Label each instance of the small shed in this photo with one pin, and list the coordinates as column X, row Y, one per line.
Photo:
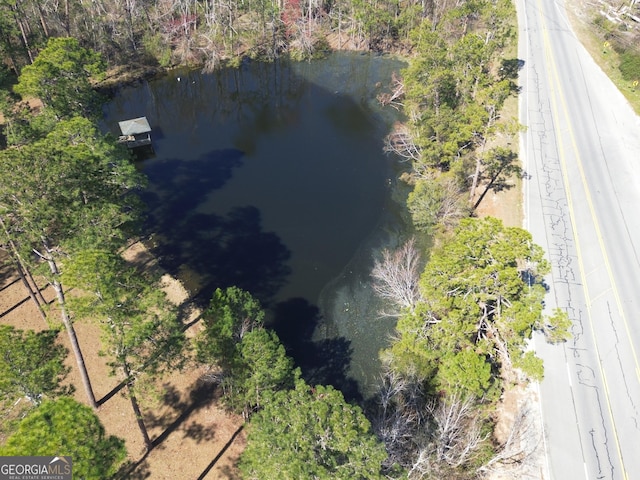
column 135, row 132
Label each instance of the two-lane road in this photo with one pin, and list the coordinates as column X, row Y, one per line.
column 581, row 154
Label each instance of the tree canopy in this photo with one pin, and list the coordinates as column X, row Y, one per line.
column 482, row 294
column 65, row 427
column 453, row 92
column 311, row 432
column 68, row 186
column 261, row 369
column 232, row 313
column 66, row 191
column 253, row 362
column 60, row 77
column 31, row 364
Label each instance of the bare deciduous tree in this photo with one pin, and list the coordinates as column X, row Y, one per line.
column 396, row 95
column 452, row 208
column 458, row 430
column 455, row 439
column 520, row 446
column 401, row 143
column 400, row 420
column 435, row 437
column 396, row 275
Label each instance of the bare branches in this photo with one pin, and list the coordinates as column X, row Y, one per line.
column 400, row 419
column 395, row 276
column 444, row 435
column 397, row 93
column 456, row 438
column 401, row 143
column 430, row 438
column 519, row 447
column 436, row 201
column 458, row 430
column 488, row 331
column 451, row 209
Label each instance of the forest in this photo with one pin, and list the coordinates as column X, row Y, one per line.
column 69, row 203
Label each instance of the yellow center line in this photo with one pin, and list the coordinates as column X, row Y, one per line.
column 596, row 224
column 555, row 83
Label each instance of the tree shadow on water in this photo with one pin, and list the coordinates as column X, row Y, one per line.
column 210, row 250
column 177, row 187
column 325, row 361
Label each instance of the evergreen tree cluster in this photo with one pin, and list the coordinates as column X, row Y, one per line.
column 67, row 205
column 464, row 336
column 295, row 430
column 452, row 92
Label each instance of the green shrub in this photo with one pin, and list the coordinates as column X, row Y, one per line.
column 157, row 48
column 630, row 65
column 605, row 25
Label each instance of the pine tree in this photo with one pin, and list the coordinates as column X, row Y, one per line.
column 65, row 427
column 311, row 432
column 483, row 296
column 31, row 364
column 59, row 76
column 60, row 193
column 141, row 332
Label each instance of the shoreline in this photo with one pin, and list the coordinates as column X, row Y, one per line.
column 131, row 74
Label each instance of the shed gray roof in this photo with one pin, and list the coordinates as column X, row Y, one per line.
column 134, row 126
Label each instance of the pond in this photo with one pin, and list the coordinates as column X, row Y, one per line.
column 271, row 177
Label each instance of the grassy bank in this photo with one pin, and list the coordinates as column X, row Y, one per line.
column 583, row 17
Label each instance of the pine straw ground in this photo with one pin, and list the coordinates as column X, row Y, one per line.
column 194, row 438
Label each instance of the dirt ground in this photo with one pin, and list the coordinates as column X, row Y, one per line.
column 193, row 437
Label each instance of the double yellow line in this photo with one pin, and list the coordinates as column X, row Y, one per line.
column 554, row 83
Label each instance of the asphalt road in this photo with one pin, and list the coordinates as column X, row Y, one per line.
column 581, row 155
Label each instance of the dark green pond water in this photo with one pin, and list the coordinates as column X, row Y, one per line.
column 271, row 177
